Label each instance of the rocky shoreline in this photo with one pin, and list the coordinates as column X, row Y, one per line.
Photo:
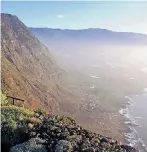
column 62, row 134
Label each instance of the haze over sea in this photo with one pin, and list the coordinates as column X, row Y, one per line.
column 102, row 46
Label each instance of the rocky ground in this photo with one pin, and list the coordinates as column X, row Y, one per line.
column 62, row 134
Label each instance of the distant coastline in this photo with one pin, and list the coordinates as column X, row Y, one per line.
column 132, row 136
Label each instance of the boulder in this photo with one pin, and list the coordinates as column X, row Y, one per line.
column 32, row 145
column 91, row 149
column 63, row 145
column 128, row 148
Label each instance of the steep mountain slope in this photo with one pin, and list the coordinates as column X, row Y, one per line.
column 28, row 69
column 107, row 68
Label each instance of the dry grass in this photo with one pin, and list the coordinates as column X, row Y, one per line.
column 34, row 120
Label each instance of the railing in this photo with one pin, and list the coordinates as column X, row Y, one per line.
column 21, row 105
column 15, row 99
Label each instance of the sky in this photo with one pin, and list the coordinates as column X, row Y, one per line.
column 117, row 16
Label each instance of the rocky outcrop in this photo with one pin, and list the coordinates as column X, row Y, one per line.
column 55, row 134
column 62, row 134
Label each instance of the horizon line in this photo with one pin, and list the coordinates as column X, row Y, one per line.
column 75, row 29
column 80, row 29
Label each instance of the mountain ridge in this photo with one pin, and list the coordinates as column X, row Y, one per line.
column 98, row 36
column 29, row 70
column 86, row 29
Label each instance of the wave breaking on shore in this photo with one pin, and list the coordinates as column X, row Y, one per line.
column 131, row 136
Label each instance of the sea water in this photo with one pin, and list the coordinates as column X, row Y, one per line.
column 135, row 114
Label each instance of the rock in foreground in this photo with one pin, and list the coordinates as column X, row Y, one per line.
column 62, row 134
column 33, row 145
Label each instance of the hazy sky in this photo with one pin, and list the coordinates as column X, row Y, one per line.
column 117, row 16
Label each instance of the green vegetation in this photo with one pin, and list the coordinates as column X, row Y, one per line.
column 21, row 126
column 4, row 100
column 40, row 111
column 15, row 124
column 11, row 115
column 18, row 110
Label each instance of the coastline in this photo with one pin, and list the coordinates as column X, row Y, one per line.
column 131, row 134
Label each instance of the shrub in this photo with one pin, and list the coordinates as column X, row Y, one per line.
column 34, row 120
column 40, row 112
column 17, row 111
column 14, row 124
column 4, row 100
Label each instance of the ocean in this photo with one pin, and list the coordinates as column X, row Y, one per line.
column 135, row 114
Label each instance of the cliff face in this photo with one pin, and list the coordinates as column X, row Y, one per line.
column 28, row 69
